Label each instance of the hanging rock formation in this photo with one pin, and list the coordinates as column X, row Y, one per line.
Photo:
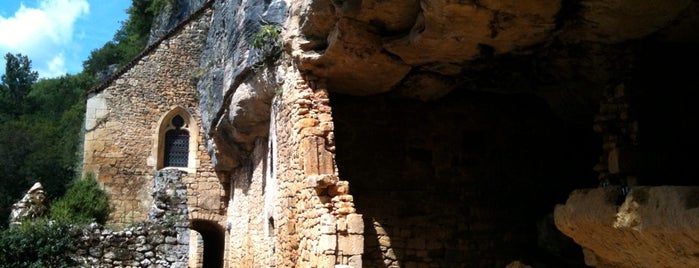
column 655, row 226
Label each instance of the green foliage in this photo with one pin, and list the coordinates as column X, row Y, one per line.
column 100, row 59
column 268, row 43
column 267, row 37
column 42, row 120
column 84, row 202
column 37, row 244
column 157, row 6
column 52, row 97
column 16, row 83
column 129, row 40
column 42, row 142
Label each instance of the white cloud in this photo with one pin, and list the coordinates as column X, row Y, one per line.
column 42, row 32
column 56, row 67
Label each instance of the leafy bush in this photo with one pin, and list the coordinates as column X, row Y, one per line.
column 84, row 202
column 267, row 38
column 40, row 243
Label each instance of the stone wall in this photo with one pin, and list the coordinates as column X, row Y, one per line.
column 288, row 207
column 460, row 182
column 320, row 226
column 250, row 219
column 123, row 126
column 162, row 240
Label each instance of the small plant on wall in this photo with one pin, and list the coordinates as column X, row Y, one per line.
column 268, row 42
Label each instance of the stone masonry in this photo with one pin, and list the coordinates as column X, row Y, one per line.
column 288, row 207
column 162, row 240
column 284, row 205
column 122, row 126
column 322, row 221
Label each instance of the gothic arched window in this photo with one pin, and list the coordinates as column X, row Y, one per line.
column 176, row 144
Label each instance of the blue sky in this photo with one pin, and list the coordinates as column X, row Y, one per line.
column 57, row 35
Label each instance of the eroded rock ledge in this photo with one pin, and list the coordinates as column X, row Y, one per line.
column 653, row 227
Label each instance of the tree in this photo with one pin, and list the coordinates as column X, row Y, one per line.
column 129, row 40
column 40, row 138
column 17, row 82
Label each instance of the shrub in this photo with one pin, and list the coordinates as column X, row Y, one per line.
column 38, row 243
column 268, row 40
column 84, row 202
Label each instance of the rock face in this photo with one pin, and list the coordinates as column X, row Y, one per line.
column 235, row 88
column 568, row 53
column 172, row 14
column 655, row 226
column 564, row 51
column 456, row 123
column 31, row 206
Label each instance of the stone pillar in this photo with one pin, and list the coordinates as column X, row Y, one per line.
column 618, row 126
column 322, row 216
column 169, row 211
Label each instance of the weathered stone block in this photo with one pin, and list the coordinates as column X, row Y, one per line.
column 649, row 227
column 350, row 244
column 355, row 261
column 320, row 181
column 309, row 149
column 327, row 261
column 328, row 243
column 340, row 188
column 355, row 224
column 326, row 164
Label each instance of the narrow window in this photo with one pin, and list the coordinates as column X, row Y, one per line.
column 176, row 144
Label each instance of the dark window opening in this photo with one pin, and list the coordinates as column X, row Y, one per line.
column 177, row 144
column 270, row 227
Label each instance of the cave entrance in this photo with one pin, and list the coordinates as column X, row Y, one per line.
column 463, row 181
column 210, row 243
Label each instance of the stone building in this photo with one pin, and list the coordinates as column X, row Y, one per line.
column 145, row 118
column 459, row 125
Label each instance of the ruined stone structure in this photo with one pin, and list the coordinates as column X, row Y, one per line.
column 31, row 206
column 319, row 133
column 161, row 240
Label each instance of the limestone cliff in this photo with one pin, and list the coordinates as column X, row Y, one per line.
column 172, row 14
column 567, row 52
column 465, row 120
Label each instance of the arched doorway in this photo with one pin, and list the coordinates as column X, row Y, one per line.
column 213, row 237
